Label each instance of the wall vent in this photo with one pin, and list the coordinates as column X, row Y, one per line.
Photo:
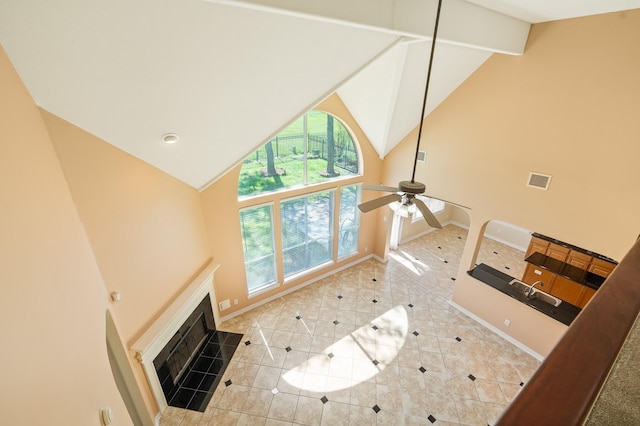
column 422, row 156
column 540, row 181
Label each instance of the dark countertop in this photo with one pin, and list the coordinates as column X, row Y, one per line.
column 576, row 248
column 565, row 313
column 565, row 270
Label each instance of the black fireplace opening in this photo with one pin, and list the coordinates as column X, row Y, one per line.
column 191, row 365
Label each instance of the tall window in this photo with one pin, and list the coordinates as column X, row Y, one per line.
column 317, row 148
column 349, row 220
column 307, row 231
column 257, row 242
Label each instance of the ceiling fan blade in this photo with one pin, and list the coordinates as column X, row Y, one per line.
column 426, row 213
column 448, row 202
column 381, row 188
column 379, row 202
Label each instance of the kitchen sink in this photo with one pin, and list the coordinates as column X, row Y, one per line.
column 536, row 294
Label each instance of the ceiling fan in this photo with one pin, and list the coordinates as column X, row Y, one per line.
column 404, row 196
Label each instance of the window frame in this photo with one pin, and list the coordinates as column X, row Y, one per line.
column 252, row 292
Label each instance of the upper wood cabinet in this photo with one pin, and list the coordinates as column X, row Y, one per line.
column 537, row 245
column 601, row 267
column 557, row 251
column 578, row 259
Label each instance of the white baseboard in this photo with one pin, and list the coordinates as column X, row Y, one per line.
column 499, row 332
column 430, row 230
column 297, row 287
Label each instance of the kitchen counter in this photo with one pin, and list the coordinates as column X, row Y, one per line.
column 565, row 313
column 563, row 269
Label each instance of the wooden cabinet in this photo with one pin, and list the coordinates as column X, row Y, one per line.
column 578, row 259
column 537, row 245
column 532, row 273
column 601, row 267
column 567, row 290
column 557, row 251
column 587, row 294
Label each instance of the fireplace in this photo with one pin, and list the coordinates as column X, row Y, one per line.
column 192, row 363
column 182, row 353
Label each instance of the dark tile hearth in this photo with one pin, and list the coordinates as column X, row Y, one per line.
column 196, row 386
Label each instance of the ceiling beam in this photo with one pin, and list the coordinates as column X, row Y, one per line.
column 462, row 23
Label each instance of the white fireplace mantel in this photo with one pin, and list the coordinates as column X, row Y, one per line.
column 149, row 345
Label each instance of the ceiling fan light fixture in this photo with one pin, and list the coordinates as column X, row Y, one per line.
column 403, row 209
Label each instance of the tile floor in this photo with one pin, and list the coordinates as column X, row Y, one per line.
column 374, row 344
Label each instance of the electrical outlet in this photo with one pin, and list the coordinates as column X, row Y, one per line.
column 507, row 322
column 235, row 301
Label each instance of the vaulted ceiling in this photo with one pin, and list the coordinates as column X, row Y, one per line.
column 227, row 75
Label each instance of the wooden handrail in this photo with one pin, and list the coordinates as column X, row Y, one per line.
column 565, row 386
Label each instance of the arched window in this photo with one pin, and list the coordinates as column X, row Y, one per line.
column 317, row 148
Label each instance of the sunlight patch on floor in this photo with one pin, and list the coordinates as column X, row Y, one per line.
column 356, row 357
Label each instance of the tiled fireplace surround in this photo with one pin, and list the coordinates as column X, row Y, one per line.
column 378, row 343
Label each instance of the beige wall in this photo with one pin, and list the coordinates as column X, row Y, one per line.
column 569, row 108
column 414, row 228
column 55, row 368
column 221, row 211
column 145, row 227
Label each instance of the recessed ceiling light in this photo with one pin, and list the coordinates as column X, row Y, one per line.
column 170, row 138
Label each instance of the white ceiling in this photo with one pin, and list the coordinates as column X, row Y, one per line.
column 227, row 75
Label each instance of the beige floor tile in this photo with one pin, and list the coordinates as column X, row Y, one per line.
column 224, row 417
column 489, row 391
column 308, row 411
column 339, row 389
column 274, row 422
column 443, row 408
column 492, row 411
column 274, row 357
column 250, row 420
column 335, row 414
column 258, row 402
column 267, row 377
column 362, row 415
column 283, row 406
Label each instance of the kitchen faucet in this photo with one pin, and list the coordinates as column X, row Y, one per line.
column 530, row 290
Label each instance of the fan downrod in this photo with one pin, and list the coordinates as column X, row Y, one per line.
column 412, row 187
